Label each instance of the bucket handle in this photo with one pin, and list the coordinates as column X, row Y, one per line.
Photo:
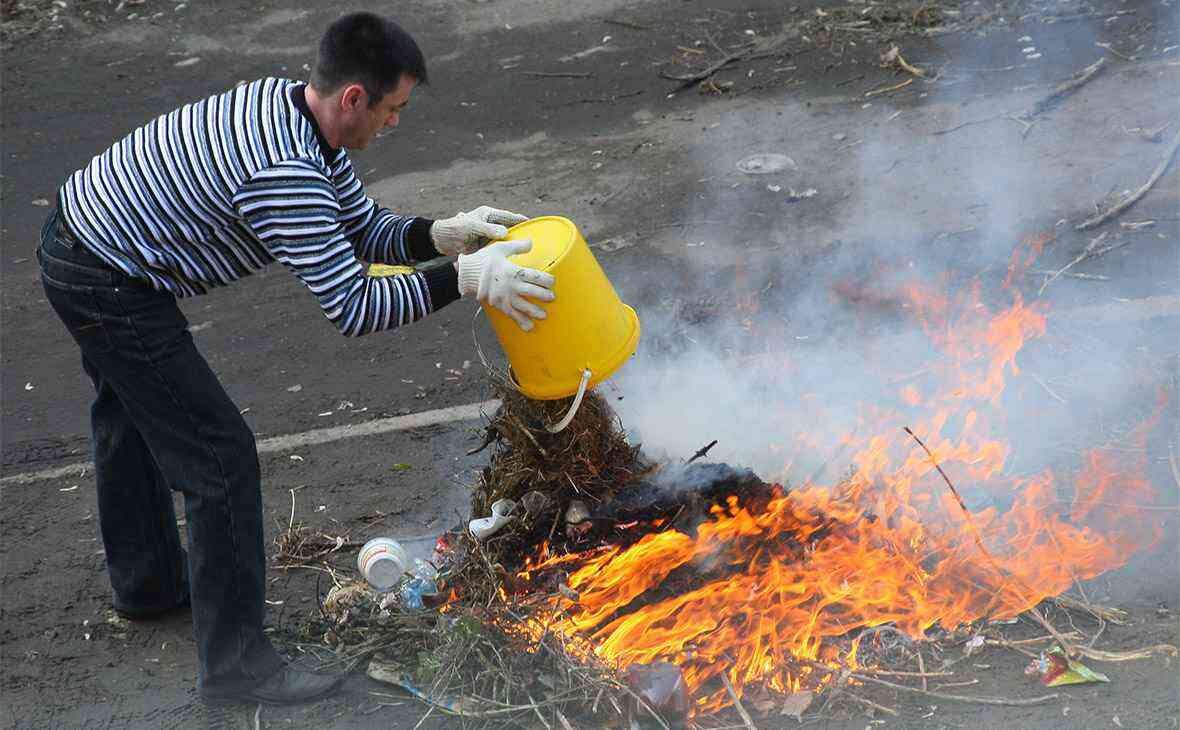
column 569, row 416
column 510, row 381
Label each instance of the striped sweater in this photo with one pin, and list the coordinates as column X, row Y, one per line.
column 219, row 188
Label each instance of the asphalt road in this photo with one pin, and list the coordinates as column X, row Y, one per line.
column 706, row 252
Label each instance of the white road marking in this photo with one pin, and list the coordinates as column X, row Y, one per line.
column 451, row 414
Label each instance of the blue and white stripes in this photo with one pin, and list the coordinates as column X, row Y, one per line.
column 217, row 189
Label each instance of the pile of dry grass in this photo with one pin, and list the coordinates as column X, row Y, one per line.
column 590, row 459
column 481, row 655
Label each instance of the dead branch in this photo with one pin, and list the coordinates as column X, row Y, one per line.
column 1134, row 197
column 1051, row 19
column 602, row 99
column 887, row 89
column 537, row 711
column 1048, row 390
column 1004, row 115
column 1174, row 464
column 893, row 58
column 524, row 429
column 870, row 703
column 1111, row 49
column 558, row 74
column 737, row 703
column 1092, row 251
column 1070, row 275
column 1102, row 613
column 1066, row 88
column 1033, row 611
column 1126, row 656
column 1014, row 643
column 690, row 79
column 923, row 674
column 966, row 683
column 1018, row 644
column 489, row 437
column 982, row 700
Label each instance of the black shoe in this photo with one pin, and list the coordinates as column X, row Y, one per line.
column 289, row 686
column 153, row 615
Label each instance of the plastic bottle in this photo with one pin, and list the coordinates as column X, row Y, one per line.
column 421, row 587
column 382, row 561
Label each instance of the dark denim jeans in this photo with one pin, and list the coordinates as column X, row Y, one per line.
column 161, row 421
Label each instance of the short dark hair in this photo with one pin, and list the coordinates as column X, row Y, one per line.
column 370, row 50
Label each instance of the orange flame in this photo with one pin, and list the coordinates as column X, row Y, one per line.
column 752, row 592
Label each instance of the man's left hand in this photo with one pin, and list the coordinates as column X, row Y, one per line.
column 469, row 231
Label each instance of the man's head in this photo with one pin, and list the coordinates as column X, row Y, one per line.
column 366, row 68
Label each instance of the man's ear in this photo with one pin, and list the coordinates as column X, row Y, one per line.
column 353, row 98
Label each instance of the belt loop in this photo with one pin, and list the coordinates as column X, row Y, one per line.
column 50, row 224
column 63, row 233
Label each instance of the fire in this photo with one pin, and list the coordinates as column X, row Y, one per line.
column 755, row 590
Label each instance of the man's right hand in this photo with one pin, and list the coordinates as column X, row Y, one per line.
column 494, row 280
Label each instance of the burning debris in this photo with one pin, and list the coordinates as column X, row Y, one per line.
column 617, row 588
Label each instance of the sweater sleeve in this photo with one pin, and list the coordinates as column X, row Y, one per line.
column 378, row 234
column 293, row 210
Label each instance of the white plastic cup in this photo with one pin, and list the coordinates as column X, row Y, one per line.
column 382, row 561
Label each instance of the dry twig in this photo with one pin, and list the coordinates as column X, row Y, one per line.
column 737, row 703
column 1134, row 197
column 1032, row 610
column 887, row 89
column 1092, row 251
column 1066, row 88
column 982, row 700
column 558, row 74
column 893, row 58
column 1048, row 390
column 1126, row 656
column 869, row 703
column 1102, row 613
column 1070, row 275
column 1004, row 115
column 1172, row 461
column 923, row 674
column 690, row 79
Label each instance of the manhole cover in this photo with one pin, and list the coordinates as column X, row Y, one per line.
column 765, row 163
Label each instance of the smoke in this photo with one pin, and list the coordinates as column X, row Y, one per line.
column 785, row 355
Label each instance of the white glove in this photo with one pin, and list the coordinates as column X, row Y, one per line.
column 494, row 280
column 468, row 231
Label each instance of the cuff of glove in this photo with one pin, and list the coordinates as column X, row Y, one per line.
column 470, row 271
column 418, row 240
column 443, row 284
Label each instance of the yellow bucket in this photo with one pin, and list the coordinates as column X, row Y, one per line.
column 389, row 269
column 588, row 328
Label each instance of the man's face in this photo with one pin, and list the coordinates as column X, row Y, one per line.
column 362, row 123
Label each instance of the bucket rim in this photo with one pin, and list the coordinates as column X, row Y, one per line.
column 564, row 246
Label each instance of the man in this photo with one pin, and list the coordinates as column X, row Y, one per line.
column 199, row 198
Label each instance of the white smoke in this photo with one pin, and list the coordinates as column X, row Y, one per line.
column 938, row 208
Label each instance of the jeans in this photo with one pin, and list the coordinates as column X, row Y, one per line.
column 161, row 421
